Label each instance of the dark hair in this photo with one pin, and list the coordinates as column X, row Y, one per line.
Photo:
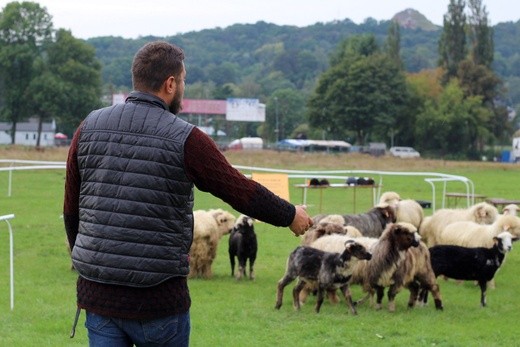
column 154, row 63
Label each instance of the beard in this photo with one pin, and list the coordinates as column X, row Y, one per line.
column 176, row 104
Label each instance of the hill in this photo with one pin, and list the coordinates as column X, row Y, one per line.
column 413, row 19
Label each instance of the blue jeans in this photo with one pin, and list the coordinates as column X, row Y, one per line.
column 171, row 331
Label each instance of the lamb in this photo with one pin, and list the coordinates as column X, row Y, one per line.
column 407, row 210
column 209, row 227
column 387, row 255
column 511, row 209
column 327, row 228
column 243, row 245
column 476, row 263
column 432, row 226
column 327, row 270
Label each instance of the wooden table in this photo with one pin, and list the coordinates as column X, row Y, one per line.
column 501, row 203
column 455, row 197
column 321, row 188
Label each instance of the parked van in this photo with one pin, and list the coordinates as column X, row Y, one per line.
column 404, row 152
column 246, row 143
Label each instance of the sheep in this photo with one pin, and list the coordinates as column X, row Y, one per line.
column 475, row 263
column 327, row 270
column 208, row 228
column 370, row 223
column 328, row 218
column 407, row 210
column 432, row 226
column 243, row 245
column 325, row 228
column 387, row 255
column 470, row 234
column 416, row 272
column 511, row 209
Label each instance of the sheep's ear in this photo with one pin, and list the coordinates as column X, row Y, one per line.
column 515, row 238
column 320, row 232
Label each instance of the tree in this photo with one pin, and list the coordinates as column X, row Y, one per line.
column 393, row 43
column 453, row 123
column 70, row 85
column 481, row 34
column 452, row 44
column 362, row 92
column 25, row 29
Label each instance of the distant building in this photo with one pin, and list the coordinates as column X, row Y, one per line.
column 27, row 133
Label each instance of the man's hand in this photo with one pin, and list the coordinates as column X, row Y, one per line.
column 301, row 222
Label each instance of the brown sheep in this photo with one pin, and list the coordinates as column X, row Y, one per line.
column 209, row 227
column 387, row 255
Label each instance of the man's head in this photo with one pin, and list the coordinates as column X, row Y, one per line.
column 158, row 68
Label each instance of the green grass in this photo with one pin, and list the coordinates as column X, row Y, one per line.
column 230, row 313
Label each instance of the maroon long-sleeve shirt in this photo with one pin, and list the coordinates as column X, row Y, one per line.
column 210, row 172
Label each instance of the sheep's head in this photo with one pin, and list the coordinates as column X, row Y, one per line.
column 504, row 241
column 325, row 228
column 511, row 209
column 357, row 250
column 225, row 221
column 387, row 211
column 390, row 198
column 509, row 223
column 484, row 213
column 403, row 234
column 244, row 224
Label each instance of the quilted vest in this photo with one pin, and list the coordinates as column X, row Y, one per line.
column 136, row 202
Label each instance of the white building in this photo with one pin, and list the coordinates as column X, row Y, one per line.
column 27, row 133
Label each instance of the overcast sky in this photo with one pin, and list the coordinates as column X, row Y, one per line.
column 134, row 18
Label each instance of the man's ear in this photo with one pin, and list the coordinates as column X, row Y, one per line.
column 170, row 85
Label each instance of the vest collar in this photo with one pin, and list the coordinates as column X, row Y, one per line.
column 137, row 96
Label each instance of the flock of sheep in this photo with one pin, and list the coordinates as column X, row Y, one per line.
column 392, row 246
column 408, row 250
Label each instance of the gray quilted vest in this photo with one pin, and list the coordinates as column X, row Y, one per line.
column 136, row 202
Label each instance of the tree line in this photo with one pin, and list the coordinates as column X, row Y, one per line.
column 369, row 82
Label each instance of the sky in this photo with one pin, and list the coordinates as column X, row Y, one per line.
column 134, row 18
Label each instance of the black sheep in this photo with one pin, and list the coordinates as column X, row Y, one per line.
column 243, row 245
column 328, row 270
column 475, row 264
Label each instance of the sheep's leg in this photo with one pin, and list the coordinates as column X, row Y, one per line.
column 348, row 298
column 333, row 298
column 380, row 292
column 296, row 294
column 414, row 294
column 483, row 288
column 392, row 292
column 363, row 299
column 279, row 291
column 241, row 267
column 251, row 268
column 320, row 298
column 232, row 261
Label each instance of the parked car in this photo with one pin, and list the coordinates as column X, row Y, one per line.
column 404, row 152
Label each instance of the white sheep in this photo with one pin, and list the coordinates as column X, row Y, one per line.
column 407, row 210
column 511, row 209
column 471, row 234
column 432, row 226
column 209, row 227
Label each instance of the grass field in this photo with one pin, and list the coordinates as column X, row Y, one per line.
column 230, row 313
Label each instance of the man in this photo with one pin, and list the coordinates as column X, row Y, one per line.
column 128, row 206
